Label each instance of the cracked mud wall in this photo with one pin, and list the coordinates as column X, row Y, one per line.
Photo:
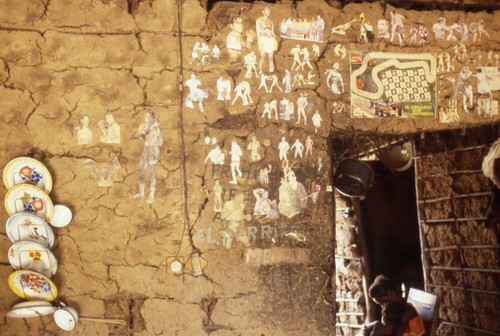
column 461, row 249
column 61, row 60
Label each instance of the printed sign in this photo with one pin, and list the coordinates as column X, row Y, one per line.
column 393, row 85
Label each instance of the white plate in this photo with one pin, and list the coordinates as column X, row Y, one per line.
column 66, row 318
column 25, row 226
column 29, row 304
column 27, row 170
column 31, row 256
column 31, row 285
column 29, row 309
column 62, row 216
column 31, row 199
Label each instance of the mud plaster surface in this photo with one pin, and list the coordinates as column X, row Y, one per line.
column 62, row 59
column 457, row 191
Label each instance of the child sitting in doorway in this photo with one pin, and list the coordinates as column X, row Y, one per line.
column 392, row 313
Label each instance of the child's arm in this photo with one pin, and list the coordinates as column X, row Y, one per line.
column 367, row 329
column 382, row 329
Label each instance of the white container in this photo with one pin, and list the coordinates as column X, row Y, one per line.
column 62, row 216
column 66, row 318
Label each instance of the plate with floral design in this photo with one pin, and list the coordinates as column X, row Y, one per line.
column 32, row 256
column 25, row 170
column 28, row 309
column 30, row 199
column 31, row 285
column 26, row 226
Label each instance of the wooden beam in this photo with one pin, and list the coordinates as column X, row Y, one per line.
column 452, row 220
column 464, row 247
column 482, row 291
column 421, row 234
column 467, row 269
column 440, row 199
column 349, row 325
column 461, row 326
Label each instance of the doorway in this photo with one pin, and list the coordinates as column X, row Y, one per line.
column 390, row 224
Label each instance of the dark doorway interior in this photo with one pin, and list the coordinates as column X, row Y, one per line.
column 391, row 227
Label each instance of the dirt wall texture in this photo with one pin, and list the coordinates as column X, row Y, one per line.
column 460, row 249
column 66, row 64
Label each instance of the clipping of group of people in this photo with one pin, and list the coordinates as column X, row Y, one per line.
column 399, row 318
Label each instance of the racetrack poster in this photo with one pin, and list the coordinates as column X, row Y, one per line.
column 393, row 85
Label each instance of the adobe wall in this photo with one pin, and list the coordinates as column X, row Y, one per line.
column 66, row 59
column 461, row 248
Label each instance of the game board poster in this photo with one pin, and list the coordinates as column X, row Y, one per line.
column 393, row 85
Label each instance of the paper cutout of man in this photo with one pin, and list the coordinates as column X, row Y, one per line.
column 233, row 214
column 266, row 39
column 150, row 132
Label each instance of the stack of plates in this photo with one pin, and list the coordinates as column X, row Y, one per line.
column 30, row 209
column 29, row 182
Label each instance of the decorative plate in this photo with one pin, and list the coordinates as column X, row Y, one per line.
column 28, row 309
column 25, row 226
column 32, row 286
column 25, row 170
column 31, row 256
column 31, row 199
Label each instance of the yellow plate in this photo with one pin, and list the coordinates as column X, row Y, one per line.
column 25, row 170
column 32, row 286
column 31, row 199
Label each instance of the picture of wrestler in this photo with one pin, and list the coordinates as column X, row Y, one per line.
column 238, row 38
column 266, row 39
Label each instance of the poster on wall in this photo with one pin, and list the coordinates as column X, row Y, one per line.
column 393, row 85
column 488, row 80
column 492, row 76
column 306, row 30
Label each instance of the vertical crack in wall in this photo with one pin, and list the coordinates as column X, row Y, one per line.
column 7, row 83
column 136, row 323
column 45, row 4
column 208, row 305
column 133, row 6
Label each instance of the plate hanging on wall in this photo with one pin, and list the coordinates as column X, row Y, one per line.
column 30, row 199
column 26, row 226
column 29, row 309
column 62, row 216
column 66, row 317
column 31, row 285
column 25, row 170
column 32, row 256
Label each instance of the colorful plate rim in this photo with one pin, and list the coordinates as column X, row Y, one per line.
column 36, row 218
column 52, row 259
column 15, row 287
column 11, row 163
column 49, row 204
